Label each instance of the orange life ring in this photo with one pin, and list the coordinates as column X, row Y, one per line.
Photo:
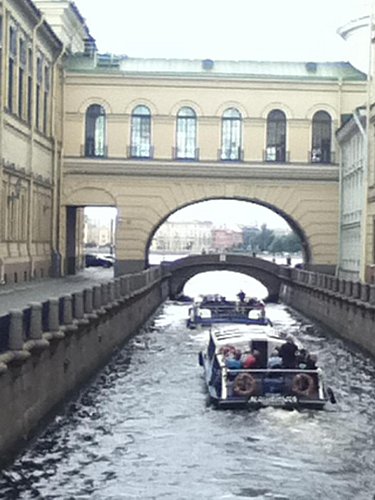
column 303, row 384
column 244, row 385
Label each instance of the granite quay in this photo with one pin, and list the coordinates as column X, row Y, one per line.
column 346, row 307
column 48, row 349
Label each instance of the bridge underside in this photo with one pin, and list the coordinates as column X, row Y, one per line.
column 265, row 272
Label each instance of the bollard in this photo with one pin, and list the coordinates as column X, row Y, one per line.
column 117, row 286
column 356, row 292
column 348, row 288
column 54, row 331
column 16, row 340
column 88, row 306
column 36, row 321
column 53, row 316
column 78, row 305
column 364, row 292
column 97, row 297
column 67, row 310
column 111, row 292
column 104, row 288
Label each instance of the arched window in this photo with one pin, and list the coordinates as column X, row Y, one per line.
column 276, row 136
column 186, row 140
column 231, row 135
column 141, row 133
column 321, row 137
column 95, row 131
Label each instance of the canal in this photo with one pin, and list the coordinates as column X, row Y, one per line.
column 143, row 430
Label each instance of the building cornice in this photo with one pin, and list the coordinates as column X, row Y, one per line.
column 207, row 170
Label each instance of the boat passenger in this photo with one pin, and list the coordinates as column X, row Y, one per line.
column 288, row 352
column 311, row 361
column 241, row 295
column 301, row 358
column 252, row 360
column 275, row 361
column 234, row 362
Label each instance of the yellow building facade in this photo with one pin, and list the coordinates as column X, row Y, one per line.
column 31, row 125
column 152, row 136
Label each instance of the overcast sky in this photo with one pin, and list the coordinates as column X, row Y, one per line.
column 292, row 30
column 273, row 30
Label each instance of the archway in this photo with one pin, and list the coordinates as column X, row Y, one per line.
column 191, row 237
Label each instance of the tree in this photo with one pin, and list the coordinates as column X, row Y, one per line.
column 264, row 239
column 287, row 243
column 249, row 236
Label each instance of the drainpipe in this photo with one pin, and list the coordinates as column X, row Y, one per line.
column 363, row 131
column 2, row 82
column 31, row 145
column 366, row 134
column 2, row 87
column 338, row 267
column 56, row 172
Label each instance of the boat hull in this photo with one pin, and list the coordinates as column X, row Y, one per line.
column 216, row 380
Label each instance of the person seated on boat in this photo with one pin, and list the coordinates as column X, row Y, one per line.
column 234, row 361
column 252, row 301
column 241, row 296
column 252, row 360
column 311, row 361
column 301, row 358
column 287, row 353
column 275, row 360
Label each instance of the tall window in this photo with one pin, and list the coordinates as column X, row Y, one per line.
column 38, row 87
column 95, row 131
column 141, row 133
column 1, row 41
column 231, row 135
column 11, row 67
column 46, row 99
column 276, row 136
column 29, row 96
column 321, row 138
column 186, row 134
column 21, row 76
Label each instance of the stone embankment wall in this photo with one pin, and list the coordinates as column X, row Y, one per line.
column 47, row 351
column 346, row 307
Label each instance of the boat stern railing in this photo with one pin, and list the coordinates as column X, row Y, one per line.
column 300, row 383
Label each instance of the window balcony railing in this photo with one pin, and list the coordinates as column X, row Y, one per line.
column 145, row 152
column 276, row 154
column 185, row 155
column 231, row 154
column 325, row 156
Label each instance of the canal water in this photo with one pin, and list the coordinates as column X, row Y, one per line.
column 143, row 429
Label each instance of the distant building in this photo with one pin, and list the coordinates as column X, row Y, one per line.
column 352, row 140
column 100, row 234
column 225, row 239
column 183, row 237
column 356, row 260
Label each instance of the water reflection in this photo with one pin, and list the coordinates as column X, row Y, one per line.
column 143, row 429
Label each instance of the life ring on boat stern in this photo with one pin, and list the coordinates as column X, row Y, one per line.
column 303, row 384
column 244, row 385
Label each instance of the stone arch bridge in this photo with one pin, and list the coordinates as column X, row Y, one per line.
column 146, row 194
column 268, row 273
